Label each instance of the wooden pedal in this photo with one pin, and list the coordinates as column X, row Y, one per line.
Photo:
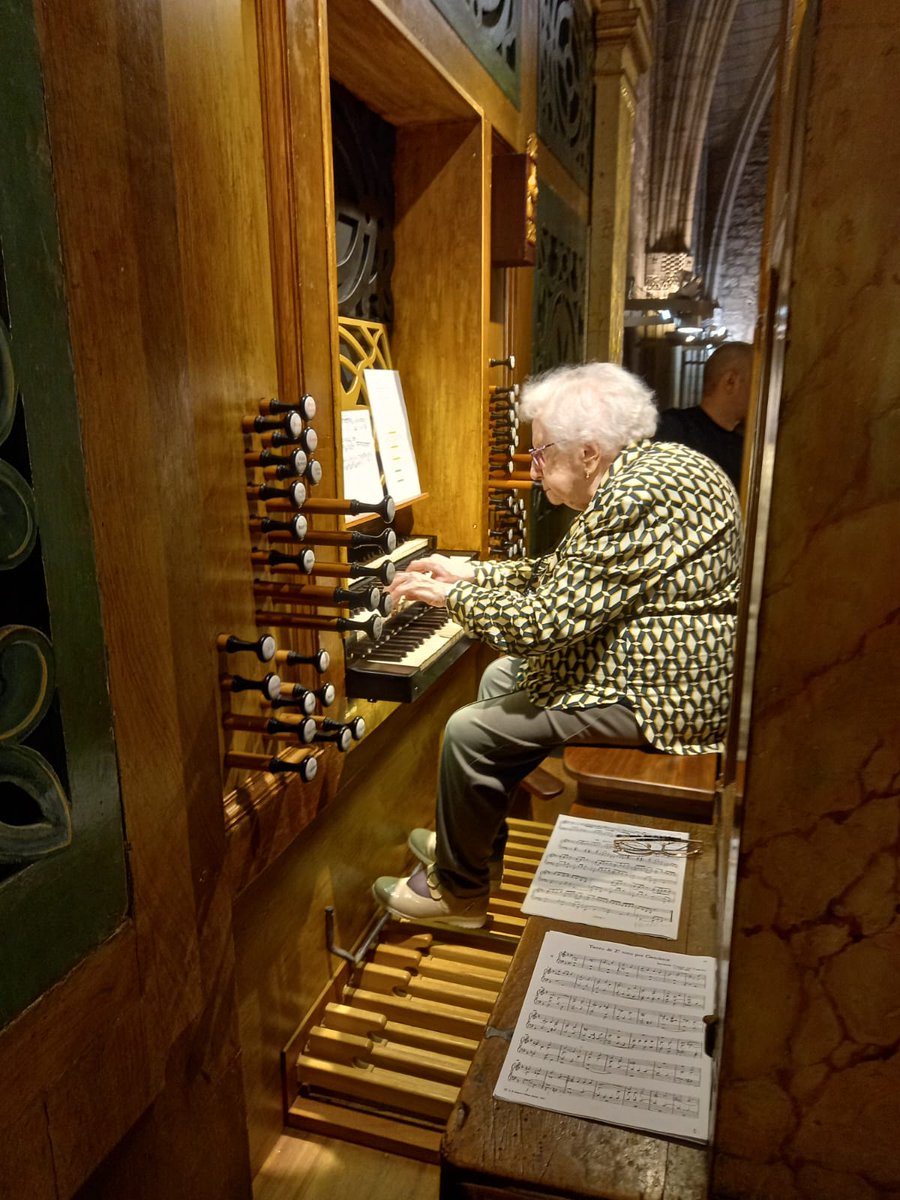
column 458, row 1022
column 437, row 968
column 360, row 1021
column 353, row 1050
column 385, row 1089
column 384, row 1065
column 391, row 979
column 497, row 960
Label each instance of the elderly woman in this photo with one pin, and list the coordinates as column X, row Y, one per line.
column 623, row 635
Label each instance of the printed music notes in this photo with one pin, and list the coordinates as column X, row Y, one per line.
column 614, row 1033
column 583, row 878
column 398, row 458
column 362, row 474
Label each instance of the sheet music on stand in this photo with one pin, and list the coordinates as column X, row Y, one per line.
column 615, row 1033
column 362, row 472
column 398, row 457
column 583, row 877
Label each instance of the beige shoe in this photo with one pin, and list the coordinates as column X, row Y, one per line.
column 423, row 844
column 436, row 908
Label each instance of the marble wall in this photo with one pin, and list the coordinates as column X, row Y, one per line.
column 810, row 1081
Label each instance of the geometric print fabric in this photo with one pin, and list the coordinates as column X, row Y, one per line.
column 636, row 606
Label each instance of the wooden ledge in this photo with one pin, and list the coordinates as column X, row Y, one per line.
column 494, row 1147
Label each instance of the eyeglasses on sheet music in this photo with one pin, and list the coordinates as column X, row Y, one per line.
column 657, row 843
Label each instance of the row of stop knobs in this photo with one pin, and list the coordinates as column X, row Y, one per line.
column 288, row 472
column 288, row 709
column 508, row 475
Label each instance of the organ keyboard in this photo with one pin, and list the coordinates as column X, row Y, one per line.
column 418, row 645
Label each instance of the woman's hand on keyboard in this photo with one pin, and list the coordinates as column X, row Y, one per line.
column 444, row 569
column 418, row 585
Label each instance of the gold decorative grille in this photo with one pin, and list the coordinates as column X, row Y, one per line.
column 362, row 344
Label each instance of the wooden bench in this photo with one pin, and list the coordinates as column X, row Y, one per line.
column 678, row 785
column 497, row 1150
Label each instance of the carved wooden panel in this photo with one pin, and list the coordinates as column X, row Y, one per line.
column 62, row 873
column 492, row 29
column 560, row 283
column 363, row 150
column 560, row 295
column 34, row 810
column 565, row 85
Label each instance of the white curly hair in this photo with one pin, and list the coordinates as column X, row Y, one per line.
column 595, row 402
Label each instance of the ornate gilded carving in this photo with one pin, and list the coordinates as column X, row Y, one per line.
column 531, row 197
column 492, row 31
column 565, row 74
column 363, row 149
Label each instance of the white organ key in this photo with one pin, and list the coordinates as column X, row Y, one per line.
column 434, row 644
column 412, row 546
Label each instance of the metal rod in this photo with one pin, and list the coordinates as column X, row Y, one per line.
column 354, row 959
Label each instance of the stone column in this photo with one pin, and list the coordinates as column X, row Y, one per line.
column 621, row 30
column 810, row 1077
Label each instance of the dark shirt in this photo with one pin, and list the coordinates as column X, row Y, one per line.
column 692, row 427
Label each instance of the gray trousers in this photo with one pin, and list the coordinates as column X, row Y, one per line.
column 489, row 747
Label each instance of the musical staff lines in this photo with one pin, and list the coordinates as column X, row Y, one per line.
column 558, row 1082
column 582, row 878
column 596, row 1062
column 585, row 1031
column 614, row 1033
column 620, row 1013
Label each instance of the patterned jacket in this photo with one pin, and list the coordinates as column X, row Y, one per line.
column 635, row 606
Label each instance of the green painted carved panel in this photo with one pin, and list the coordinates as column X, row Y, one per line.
column 63, row 882
column 565, row 84
column 492, row 29
column 558, row 325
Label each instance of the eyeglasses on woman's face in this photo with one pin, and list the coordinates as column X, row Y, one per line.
column 537, row 454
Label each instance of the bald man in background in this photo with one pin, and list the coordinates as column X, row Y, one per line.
column 715, row 425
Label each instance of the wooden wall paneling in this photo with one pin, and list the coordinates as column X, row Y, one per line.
column 310, row 164
column 211, row 51
column 57, row 907
column 424, row 24
column 441, row 282
column 53, row 1042
column 374, row 57
column 264, row 814
column 26, row 1153
column 388, row 788
column 132, row 225
column 128, row 344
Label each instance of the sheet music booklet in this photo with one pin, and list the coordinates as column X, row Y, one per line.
column 615, row 1033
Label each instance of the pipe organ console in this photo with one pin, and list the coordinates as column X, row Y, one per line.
column 278, row 448
column 418, row 643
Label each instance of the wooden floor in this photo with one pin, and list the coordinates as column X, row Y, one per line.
column 305, row 1167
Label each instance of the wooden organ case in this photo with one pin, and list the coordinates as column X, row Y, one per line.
column 384, row 186
column 194, row 169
